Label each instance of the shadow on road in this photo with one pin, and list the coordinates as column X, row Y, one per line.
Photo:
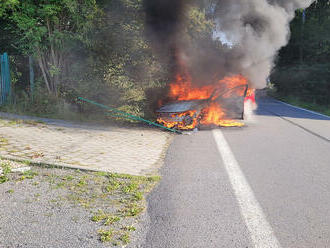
column 270, row 107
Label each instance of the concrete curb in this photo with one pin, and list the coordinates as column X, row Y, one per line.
column 55, row 165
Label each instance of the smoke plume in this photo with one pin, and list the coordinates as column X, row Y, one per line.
column 251, row 32
column 164, row 20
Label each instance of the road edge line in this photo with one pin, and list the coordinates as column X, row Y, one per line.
column 261, row 232
column 303, row 109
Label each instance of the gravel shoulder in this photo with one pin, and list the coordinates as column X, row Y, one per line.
column 52, row 207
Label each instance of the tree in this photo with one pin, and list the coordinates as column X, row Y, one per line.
column 48, row 29
column 303, row 67
column 5, row 5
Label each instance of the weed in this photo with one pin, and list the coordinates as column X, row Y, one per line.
column 131, row 210
column 67, row 178
column 130, row 188
column 129, row 228
column 125, row 238
column 82, row 182
column 3, row 141
column 5, row 167
column 154, row 179
column 10, row 191
column 113, row 185
column 60, row 185
column 101, row 173
column 28, row 175
column 110, row 219
column 99, row 216
column 26, row 162
column 138, row 196
column 106, row 235
column 5, row 171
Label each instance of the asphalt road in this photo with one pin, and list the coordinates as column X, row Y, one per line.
column 264, row 185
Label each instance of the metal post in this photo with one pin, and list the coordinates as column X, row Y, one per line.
column 5, row 82
column 2, row 79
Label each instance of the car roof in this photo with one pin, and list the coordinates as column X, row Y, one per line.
column 181, row 106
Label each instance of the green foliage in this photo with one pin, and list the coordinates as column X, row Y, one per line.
column 94, row 49
column 28, row 175
column 49, row 30
column 125, row 238
column 6, row 169
column 106, row 235
column 303, row 68
column 6, row 5
column 199, row 26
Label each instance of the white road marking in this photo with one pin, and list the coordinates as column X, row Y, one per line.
column 261, row 232
column 306, row 110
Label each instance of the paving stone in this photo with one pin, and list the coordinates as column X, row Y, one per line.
column 123, row 150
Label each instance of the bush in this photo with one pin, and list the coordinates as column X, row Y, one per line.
column 310, row 83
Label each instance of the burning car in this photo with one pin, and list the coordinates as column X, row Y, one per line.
column 216, row 105
column 183, row 115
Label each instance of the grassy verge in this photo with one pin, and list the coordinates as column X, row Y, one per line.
column 113, row 201
column 303, row 104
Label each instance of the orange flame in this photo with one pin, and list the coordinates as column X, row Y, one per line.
column 183, row 90
column 181, row 124
column 213, row 114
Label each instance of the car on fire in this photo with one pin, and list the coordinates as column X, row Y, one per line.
column 187, row 115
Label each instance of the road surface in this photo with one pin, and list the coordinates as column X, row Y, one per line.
column 264, row 185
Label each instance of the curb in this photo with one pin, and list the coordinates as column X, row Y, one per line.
column 53, row 165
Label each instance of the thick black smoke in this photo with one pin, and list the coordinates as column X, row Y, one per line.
column 164, row 20
column 253, row 31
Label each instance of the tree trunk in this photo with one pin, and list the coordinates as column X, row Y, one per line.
column 44, row 74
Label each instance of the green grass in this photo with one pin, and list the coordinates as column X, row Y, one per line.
column 5, row 171
column 111, row 219
column 131, row 210
column 3, row 141
column 129, row 228
column 125, row 238
column 108, row 219
column 28, row 175
column 106, row 235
